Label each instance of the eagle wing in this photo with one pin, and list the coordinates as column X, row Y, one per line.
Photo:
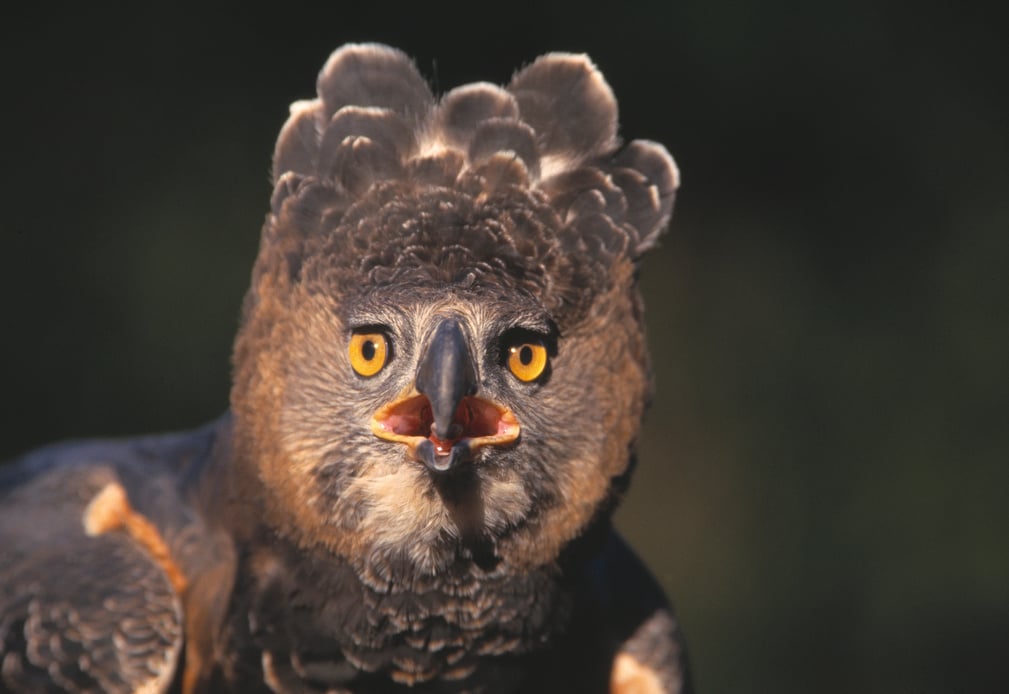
column 90, row 599
column 645, row 640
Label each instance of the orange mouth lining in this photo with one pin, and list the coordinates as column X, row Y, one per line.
column 408, row 420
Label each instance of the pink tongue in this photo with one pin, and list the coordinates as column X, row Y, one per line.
column 441, row 447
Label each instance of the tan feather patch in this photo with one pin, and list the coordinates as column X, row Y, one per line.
column 110, row 510
column 631, row 677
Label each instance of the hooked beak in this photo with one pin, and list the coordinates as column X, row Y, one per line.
column 440, row 419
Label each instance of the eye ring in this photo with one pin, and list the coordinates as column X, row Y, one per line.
column 368, row 352
column 527, row 360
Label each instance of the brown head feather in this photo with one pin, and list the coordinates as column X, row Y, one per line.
column 375, row 138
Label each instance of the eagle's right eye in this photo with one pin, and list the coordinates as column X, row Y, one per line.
column 368, row 353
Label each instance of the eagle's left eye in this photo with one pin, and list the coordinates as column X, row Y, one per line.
column 368, row 353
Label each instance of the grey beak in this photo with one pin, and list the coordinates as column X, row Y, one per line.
column 446, row 375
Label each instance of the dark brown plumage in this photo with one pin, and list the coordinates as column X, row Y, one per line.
column 439, row 379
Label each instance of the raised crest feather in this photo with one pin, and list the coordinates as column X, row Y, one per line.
column 464, row 108
column 565, row 99
column 371, row 74
column 377, row 136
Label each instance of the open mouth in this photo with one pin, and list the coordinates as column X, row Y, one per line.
column 476, row 423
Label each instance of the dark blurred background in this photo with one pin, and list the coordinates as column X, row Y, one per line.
column 824, row 477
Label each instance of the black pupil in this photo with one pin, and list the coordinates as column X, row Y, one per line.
column 368, row 350
column 526, row 355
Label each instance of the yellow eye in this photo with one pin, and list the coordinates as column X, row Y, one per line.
column 368, row 352
column 527, row 360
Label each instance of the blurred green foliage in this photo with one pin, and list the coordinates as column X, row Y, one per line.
column 824, row 476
